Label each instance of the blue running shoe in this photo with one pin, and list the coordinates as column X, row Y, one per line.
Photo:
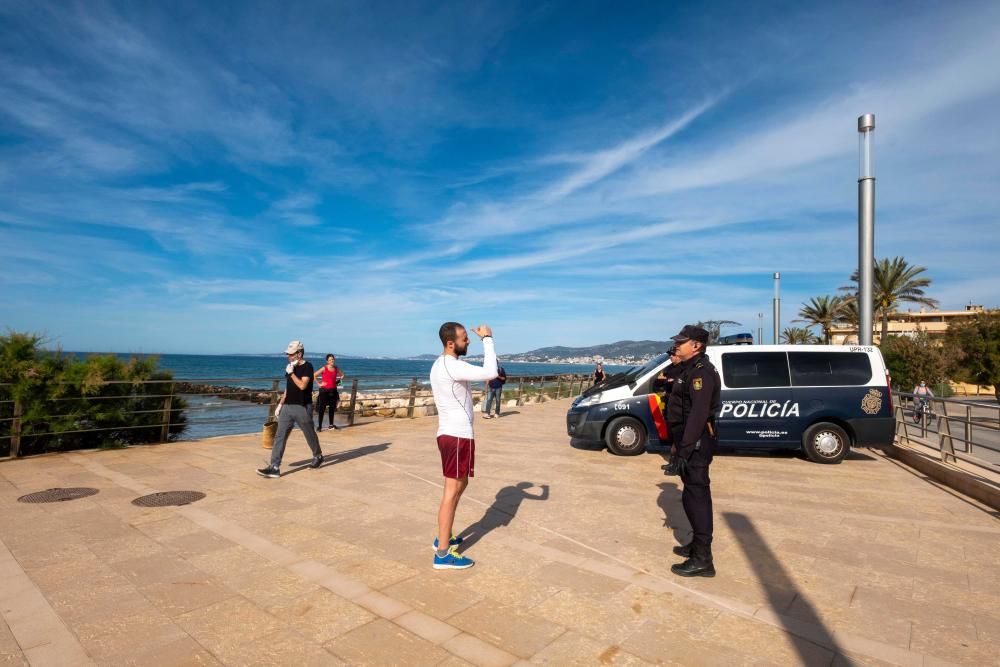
column 452, row 561
column 453, row 542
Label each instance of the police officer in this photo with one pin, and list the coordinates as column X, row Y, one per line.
column 694, row 402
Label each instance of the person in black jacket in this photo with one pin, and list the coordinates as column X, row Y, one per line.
column 694, row 403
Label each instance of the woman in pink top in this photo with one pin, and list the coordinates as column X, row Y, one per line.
column 328, row 378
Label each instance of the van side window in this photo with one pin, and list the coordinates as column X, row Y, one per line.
column 755, row 369
column 829, row 369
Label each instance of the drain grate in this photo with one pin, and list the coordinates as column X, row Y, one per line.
column 57, row 495
column 168, row 498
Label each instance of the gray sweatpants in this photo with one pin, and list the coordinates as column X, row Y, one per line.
column 289, row 416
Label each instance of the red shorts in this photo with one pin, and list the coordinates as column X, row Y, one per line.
column 458, row 456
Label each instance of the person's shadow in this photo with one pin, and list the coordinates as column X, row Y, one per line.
column 508, row 500
column 338, row 457
column 674, row 518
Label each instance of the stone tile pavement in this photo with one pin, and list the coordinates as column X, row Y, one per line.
column 863, row 563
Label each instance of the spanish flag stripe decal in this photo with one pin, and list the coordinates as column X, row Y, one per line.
column 656, row 409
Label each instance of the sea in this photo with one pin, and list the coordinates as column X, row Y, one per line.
column 211, row 416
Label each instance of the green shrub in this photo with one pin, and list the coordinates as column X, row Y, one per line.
column 977, row 343
column 72, row 403
column 911, row 359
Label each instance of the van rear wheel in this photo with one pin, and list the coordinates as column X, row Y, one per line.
column 626, row 437
column 826, row 443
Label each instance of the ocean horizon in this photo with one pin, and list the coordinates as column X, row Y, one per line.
column 256, row 369
column 210, row 416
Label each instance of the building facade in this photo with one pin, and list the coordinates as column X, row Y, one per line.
column 934, row 322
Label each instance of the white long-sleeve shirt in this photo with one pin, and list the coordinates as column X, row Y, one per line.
column 450, row 378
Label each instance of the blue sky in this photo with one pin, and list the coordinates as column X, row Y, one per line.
column 214, row 177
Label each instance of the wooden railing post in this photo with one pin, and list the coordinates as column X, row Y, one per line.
column 354, row 400
column 168, row 403
column 413, row 398
column 15, row 432
column 274, row 401
column 559, row 388
column 520, row 390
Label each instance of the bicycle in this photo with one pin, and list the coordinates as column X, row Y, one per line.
column 922, row 410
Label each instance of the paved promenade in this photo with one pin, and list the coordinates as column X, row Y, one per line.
column 861, row 563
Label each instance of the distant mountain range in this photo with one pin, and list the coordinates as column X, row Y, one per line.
column 622, row 352
column 626, row 350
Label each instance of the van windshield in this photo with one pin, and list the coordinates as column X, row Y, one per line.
column 639, row 371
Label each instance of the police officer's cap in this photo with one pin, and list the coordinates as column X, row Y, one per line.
column 691, row 332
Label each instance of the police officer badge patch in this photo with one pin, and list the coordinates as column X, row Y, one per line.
column 696, row 384
column 872, row 402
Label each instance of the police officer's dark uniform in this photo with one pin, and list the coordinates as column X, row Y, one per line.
column 694, row 402
column 672, row 372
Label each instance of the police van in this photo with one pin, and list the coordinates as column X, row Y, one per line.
column 822, row 399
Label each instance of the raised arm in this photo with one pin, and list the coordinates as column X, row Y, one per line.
column 465, row 372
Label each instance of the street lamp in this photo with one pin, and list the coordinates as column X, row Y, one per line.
column 866, row 226
column 777, row 305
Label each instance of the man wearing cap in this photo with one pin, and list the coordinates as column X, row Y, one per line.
column 295, row 407
column 694, row 402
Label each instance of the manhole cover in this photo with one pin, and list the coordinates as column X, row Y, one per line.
column 167, row 498
column 57, row 495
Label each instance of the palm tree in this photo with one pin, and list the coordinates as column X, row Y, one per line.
column 895, row 282
column 798, row 336
column 823, row 311
column 849, row 315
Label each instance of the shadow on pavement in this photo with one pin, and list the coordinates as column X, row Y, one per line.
column 505, row 506
column 339, row 457
column 674, row 518
column 852, row 454
column 588, row 445
column 774, row 579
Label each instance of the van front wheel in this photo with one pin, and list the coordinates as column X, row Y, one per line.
column 626, row 437
column 826, row 443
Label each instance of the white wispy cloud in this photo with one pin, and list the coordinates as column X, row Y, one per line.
column 824, row 129
column 546, row 205
column 598, row 165
column 378, row 171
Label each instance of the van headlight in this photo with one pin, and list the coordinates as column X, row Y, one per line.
column 593, row 399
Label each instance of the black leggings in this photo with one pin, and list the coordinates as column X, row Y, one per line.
column 327, row 397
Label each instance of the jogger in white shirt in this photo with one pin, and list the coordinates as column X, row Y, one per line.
column 450, row 378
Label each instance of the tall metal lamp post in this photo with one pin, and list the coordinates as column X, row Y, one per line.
column 777, row 305
column 866, row 226
column 760, row 328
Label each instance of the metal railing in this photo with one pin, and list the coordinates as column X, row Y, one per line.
column 246, row 404
column 973, row 424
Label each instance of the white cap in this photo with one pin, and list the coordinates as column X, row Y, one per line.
column 295, row 346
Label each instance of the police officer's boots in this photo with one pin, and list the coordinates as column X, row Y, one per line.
column 672, row 467
column 698, row 565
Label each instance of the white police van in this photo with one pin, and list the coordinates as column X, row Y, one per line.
column 822, row 399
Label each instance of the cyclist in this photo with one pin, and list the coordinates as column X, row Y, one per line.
column 921, row 400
